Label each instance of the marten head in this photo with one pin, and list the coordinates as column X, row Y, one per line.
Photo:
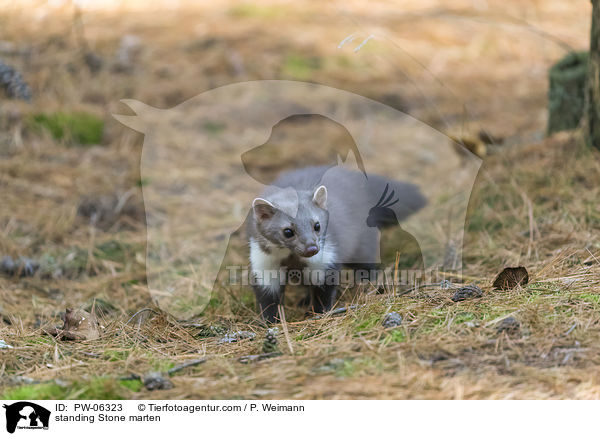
column 293, row 220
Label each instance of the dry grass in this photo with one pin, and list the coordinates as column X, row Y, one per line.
column 534, row 204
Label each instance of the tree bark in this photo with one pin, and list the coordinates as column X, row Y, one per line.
column 592, row 111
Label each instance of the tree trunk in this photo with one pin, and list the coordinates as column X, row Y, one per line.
column 567, row 92
column 592, row 111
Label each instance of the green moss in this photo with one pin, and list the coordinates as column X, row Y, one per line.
column 346, row 369
column 357, row 367
column 305, row 336
column 160, row 364
column 116, row 355
column 464, row 317
column 132, row 385
column 487, row 207
column 214, row 301
column 432, row 322
column 100, row 388
column 116, row 251
column 488, row 312
column 591, row 298
column 41, row 340
column 397, row 335
column 74, row 262
column 76, row 128
column 367, row 323
column 532, row 296
column 342, row 61
column 300, row 67
column 247, row 298
column 49, row 391
column 543, row 287
column 214, row 127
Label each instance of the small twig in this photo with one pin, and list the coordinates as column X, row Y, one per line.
column 139, row 312
column 257, row 357
column 529, row 206
column 131, row 377
column 404, row 292
column 592, row 255
column 571, row 329
column 396, row 271
column 193, row 324
column 185, row 365
column 437, row 285
column 426, row 285
column 459, row 276
column 338, row 311
column 85, row 353
column 500, row 318
column 285, row 328
column 123, row 200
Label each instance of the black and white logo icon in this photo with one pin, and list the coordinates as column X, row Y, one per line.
column 26, row 415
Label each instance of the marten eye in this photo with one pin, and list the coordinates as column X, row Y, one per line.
column 288, row 233
column 317, row 227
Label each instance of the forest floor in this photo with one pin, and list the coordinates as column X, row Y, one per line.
column 72, row 202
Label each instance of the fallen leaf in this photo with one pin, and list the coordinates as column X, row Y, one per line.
column 511, row 277
column 79, row 325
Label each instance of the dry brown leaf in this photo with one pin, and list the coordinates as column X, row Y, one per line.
column 79, row 325
column 511, row 277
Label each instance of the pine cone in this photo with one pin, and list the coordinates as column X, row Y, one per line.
column 157, row 381
column 270, row 343
column 240, row 335
column 509, row 325
column 13, row 83
column 392, row 319
column 467, row 292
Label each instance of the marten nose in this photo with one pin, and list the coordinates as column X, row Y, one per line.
column 311, row 250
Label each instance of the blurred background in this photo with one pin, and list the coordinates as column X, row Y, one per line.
column 72, row 218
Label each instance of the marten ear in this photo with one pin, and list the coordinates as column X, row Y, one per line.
column 263, row 209
column 320, row 197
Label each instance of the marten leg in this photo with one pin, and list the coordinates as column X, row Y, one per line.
column 323, row 297
column 305, row 301
column 268, row 299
